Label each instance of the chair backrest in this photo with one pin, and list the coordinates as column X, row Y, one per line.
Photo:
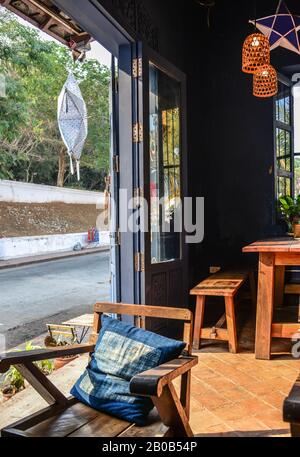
column 140, row 312
column 66, row 332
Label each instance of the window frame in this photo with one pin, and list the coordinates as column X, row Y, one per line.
column 279, row 173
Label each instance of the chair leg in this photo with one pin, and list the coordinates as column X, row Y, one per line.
column 295, row 430
column 199, row 316
column 172, row 412
column 231, row 324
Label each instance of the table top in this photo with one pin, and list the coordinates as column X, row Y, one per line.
column 86, row 320
column 285, row 244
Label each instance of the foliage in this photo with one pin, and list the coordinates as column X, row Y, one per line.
column 46, row 366
column 14, row 377
column 35, row 71
column 290, row 209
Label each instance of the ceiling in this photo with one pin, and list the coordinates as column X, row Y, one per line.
column 50, row 19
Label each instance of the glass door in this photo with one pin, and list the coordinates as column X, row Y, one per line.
column 163, row 181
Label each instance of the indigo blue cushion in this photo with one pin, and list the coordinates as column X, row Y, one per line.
column 122, row 351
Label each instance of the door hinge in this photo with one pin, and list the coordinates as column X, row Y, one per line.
column 139, row 262
column 116, row 164
column 137, row 68
column 138, row 133
column 138, row 194
column 116, row 238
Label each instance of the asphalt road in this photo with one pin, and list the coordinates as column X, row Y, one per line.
column 51, row 292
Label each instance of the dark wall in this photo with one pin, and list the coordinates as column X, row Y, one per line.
column 230, row 132
column 231, row 148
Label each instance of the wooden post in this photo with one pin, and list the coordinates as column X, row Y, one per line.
column 200, row 305
column 265, row 301
column 231, row 324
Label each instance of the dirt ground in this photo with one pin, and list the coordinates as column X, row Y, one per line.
column 32, row 219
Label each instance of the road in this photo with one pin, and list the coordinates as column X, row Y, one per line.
column 51, row 292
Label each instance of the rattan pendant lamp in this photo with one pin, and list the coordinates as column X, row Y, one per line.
column 256, row 52
column 256, row 61
column 265, row 82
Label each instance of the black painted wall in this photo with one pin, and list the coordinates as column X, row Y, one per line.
column 231, row 152
column 230, row 132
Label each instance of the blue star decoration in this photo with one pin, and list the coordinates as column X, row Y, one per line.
column 281, row 28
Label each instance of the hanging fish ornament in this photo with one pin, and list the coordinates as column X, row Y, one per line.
column 73, row 120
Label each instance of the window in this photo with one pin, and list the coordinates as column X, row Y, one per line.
column 165, row 170
column 284, row 141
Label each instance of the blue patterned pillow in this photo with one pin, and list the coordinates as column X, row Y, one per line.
column 122, row 351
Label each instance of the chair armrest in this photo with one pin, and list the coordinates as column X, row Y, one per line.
column 291, row 407
column 151, row 382
column 23, row 357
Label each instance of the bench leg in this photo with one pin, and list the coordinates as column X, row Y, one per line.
column 231, row 324
column 295, row 430
column 200, row 305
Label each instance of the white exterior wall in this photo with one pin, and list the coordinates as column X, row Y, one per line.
column 11, row 248
column 19, row 192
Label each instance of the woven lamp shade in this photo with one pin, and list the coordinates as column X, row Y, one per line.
column 256, row 52
column 265, row 82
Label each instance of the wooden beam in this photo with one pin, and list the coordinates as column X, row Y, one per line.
column 220, row 335
column 287, row 259
column 143, row 310
column 265, row 303
column 285, row 330
column 42, row 384
column 172, row 412
column 22, row 357
column 152, row 382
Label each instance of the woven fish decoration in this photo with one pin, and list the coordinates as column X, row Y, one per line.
column 73, row 120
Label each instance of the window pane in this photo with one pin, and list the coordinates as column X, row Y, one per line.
column 284, row 186
column 297, row 175
column 280, row 143
column 165, row 153
column 283, row 104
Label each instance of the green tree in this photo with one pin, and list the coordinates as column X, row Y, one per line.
column 35, row 70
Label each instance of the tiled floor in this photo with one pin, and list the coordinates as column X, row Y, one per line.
column 237, row 395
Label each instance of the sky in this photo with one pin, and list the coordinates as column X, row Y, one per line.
column 98, row 52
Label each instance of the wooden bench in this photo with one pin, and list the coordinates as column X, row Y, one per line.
column 223, row 284
column 68, row 417
column 291, row 409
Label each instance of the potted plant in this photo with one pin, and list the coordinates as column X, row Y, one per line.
column 290, row 209
column 14, row 382
column 60, row 362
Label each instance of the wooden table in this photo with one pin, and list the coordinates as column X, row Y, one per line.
column 274, row 256
column 84, row 322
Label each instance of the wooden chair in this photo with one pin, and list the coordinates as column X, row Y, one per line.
column 291, row 409
column 68, row 417
column 223, row 284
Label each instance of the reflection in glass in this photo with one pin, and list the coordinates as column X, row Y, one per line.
column 165, row 171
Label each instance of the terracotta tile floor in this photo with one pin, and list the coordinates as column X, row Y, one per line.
column 237, row 395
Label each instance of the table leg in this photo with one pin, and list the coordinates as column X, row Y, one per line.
column 279, row 286
column 198, row 325
column 265, row 303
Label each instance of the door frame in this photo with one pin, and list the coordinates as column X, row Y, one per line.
column 149, row 55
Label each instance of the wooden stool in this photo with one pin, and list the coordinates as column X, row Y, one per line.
column 222, row 284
